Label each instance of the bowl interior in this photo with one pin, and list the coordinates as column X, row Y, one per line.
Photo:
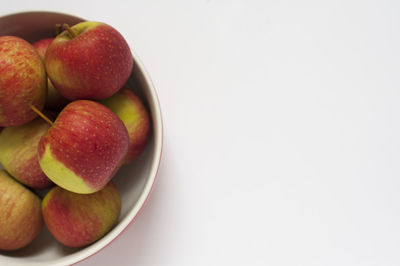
column 134, row 181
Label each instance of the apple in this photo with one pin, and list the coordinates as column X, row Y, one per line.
column 18, row 153
column 42, row 45
column 22, row 81
column 20, row 216
column 130, row 109
column 84, row 147
column 77, row 220
column 54, row 100
column 90, row 60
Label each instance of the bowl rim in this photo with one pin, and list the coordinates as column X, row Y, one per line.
column 133, row 213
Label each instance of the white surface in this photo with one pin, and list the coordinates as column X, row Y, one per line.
column 281, row 130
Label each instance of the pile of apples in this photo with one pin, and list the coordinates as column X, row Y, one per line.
column 67, row 124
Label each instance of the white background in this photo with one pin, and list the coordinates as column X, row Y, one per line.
column 281, row 130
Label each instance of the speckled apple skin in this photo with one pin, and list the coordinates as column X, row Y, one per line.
column 54, row 100
column 77, row 220
column 130, row 109
column 18, row 153
column 22, row 81
column 90, row 141
column 20, row 215
column 93, row 65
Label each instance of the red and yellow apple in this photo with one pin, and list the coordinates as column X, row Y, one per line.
column 84, row 148
column 54, row 100
column 18, row 153
column 77, row 220
column 22, row 81
column 90, row 61
column 20, row 214
column 130, row 109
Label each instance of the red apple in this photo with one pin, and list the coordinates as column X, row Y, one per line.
column 84, row 148
column 54, row 100
column 20, row 214
column 77, row 220
column 18, row 153
column 42, row 45
column 130, row 109
column 91, row 61
column 22, row 81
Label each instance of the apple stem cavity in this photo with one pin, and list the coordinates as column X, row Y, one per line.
column 37, row 111
column 70, row 31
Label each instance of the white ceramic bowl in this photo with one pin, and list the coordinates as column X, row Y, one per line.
column 134, row 181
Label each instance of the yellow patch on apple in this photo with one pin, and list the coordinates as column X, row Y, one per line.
column 61, row 175
column 123, row 108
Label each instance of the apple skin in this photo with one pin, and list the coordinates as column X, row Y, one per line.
column 54, row 100
column 20, row 216
column 77, row 220
column 130, row 109
column 84, row 148
column 18, row 153
column 22, row 81
column 93, row 65
column 41, row 46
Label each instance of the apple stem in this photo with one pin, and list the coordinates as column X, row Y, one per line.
column 68, row 28
column 58, row 29
column 41, row 115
